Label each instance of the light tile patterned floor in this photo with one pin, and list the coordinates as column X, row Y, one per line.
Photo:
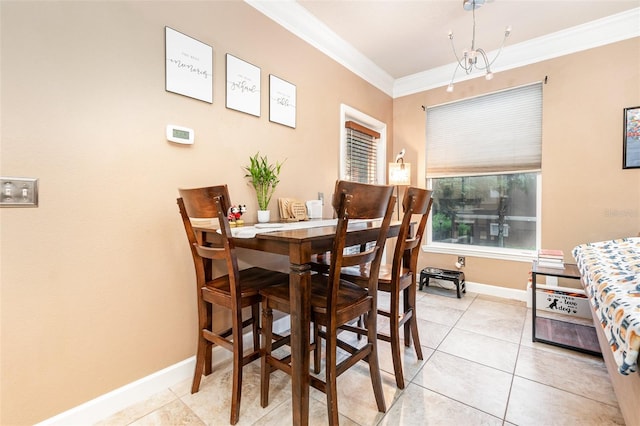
column 479, row 367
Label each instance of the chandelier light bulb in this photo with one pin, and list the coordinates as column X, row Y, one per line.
column 489, row 76
column 450, row 88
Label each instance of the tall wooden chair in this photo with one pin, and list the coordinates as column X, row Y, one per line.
column 399, row 278
column 336, row 302
column 233, row 289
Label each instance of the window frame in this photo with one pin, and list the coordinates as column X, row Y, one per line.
column 518, row 255
column 500, row 253
column 348, row 113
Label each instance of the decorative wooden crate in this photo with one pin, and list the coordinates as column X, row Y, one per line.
column 561, row 300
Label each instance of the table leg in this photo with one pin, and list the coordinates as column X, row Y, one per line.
column 300, row 291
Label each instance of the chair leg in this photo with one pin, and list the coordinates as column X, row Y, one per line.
column 414, row 321
column 331, row 388
column 207, row 324
column 374, row 365
column 317, row 353
column 255, row 316
column 200, row 363
column 265, row 367
column 406, row 306
column 205, row 348
column 236, row 387
column 394, row 334
column 208, row 359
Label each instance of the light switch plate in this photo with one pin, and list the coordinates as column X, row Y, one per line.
column 18, row 192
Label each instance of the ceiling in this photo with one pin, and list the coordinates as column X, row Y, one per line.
column 399, row 40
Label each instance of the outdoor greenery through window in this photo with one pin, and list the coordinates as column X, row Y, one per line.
column 483, row 164
column 489, row 211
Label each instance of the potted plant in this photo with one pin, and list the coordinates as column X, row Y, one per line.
column 264, row 178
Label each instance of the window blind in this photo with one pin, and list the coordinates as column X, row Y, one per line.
column 495, row 133
column 361, row 153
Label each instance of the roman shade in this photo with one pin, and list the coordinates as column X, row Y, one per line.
column 496, row 133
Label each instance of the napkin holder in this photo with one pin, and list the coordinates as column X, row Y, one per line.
column 314, row 209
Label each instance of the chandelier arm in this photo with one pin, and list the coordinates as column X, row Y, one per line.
column 453, row 48
column 453, row 77
column 487, row 64
column 504, row 40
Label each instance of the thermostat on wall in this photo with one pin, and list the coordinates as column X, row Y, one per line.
column 180, row 134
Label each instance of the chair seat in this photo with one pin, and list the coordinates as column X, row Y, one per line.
column 350, row 297
column 384, row 275
column 251, row 281
column 360, row 274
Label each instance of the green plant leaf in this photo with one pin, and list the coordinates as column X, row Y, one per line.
column 264, row 177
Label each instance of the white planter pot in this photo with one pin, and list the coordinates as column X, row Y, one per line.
column 263, row 216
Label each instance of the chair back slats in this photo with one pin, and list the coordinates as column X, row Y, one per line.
column 198, row 201
column 359, row 258
column 416, row 201
column 353, row 201
column 211, row 202
column 213, row 253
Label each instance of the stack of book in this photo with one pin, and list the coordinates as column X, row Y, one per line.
column 549, row 258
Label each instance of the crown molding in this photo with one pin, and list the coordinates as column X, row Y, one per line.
column 296, row 19
column 611, row 29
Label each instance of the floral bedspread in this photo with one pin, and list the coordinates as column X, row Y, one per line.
column 611, row 273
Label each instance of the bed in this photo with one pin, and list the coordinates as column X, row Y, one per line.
column 610, row 272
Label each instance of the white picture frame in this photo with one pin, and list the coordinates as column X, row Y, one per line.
column 188, row 66
column 282, row 101
column 243, row 86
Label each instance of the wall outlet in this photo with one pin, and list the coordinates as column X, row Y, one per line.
column 461, row 260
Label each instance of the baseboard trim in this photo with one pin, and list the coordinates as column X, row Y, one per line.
column 110, row 403
column 492, row 290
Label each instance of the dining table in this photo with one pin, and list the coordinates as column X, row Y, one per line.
column 299, row 241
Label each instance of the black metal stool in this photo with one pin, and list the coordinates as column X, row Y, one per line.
column 457, row 277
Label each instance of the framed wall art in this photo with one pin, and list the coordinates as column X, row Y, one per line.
column 243, row 86
column 282, row 101
column 188, row 66
column 631, row 145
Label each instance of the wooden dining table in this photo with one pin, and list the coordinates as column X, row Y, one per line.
column 299, row 245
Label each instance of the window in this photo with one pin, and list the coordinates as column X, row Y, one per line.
column 363, row 144
column 362, row 147
column 361, row 156
column 483, row 164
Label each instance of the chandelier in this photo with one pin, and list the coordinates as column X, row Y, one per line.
column 469, row 59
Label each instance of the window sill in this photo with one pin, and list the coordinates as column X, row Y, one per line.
column 485, row 252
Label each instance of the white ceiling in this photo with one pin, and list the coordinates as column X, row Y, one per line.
column 402, row 46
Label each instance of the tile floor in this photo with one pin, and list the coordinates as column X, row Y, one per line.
column 479, row 367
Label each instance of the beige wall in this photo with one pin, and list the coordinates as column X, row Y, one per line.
column 586, row 195
column 97, row 282
column 97, row 286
